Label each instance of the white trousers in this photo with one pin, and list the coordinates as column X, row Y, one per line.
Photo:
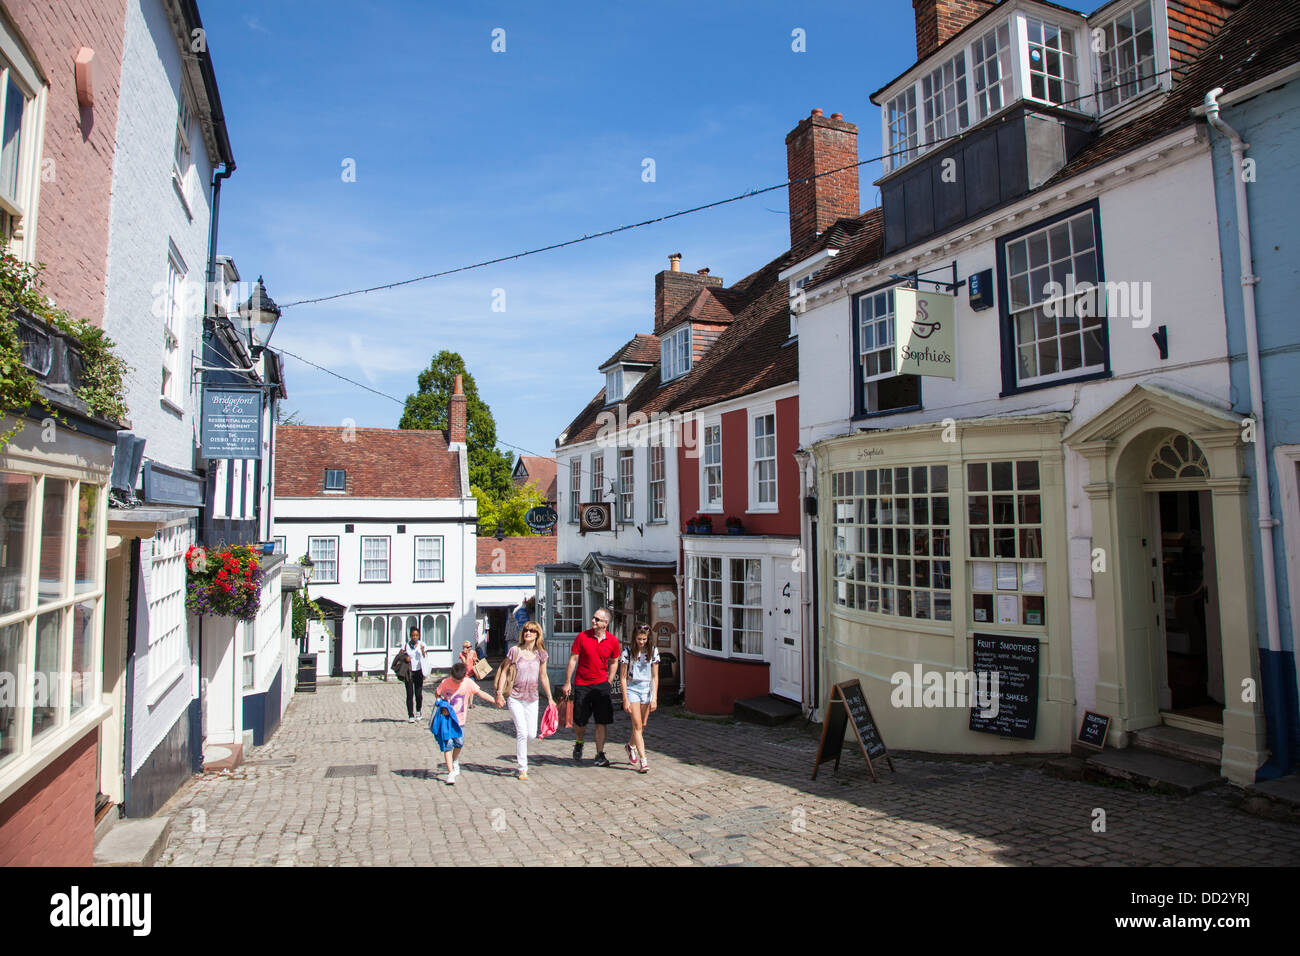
column 525, row 717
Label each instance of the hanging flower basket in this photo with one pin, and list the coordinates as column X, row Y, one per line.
column 224, row 582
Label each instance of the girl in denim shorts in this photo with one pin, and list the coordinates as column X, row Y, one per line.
column 639, row 675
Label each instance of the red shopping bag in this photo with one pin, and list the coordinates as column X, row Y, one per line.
column 566, row 713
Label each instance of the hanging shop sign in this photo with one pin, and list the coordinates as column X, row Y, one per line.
column 232, row 422
column 541, row 519
column 595, row 516
column 847, row 707
column 925, row 343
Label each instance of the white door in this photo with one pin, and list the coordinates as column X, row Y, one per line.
column 784, row 657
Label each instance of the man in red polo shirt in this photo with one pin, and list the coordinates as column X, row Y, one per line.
column 594, row 656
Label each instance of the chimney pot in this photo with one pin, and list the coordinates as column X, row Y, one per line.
column 837, row 116
column 675, row 262
column 457, row 418
column 816, row 111
column 704, row 271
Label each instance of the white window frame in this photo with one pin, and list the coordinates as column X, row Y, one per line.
column 614, row 385
column 1038, row 300
column 626, row 485
column 1010, row 552
column 598, row 476
column 1159, row 58
column 175, row 374
column 33, row 751
column 983, row 64
column 566, row 605
column 168, row 630
column 710, row 467
column 675, row 354
column 901, row 131
column 945, row 96
column 657, row 507
column 373, row 558
column 700, row 597
column 438, row 560
column 575, row 489
column 756, row 460
column 18, row 212
column 343, row 480
column 1070, row 97
column 700, row 601
column 319, row 558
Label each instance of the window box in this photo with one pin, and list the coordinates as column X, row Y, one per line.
column 735, row 526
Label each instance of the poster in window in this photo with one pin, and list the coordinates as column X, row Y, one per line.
column 1031, row 577
column 983, row 575
column 1008, row 609
column 1006, row 577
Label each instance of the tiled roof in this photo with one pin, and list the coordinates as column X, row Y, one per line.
column 751, row 354
column 640, row 349
column 521, row 555
column 712, row 305
column 541, row 474
column 377, row 462
column 1258, row 39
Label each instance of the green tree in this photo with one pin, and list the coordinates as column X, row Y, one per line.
column 489, row 468
column 506, row 515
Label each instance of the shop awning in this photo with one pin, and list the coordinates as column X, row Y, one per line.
column 632, row 569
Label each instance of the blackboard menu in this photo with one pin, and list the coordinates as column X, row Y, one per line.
column 860, row 714
column 1013, row 661
column 1093, row 729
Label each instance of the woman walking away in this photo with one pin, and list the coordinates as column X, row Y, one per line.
column 638, row 671
column 529, row 660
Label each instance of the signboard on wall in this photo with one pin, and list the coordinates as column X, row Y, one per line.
column 1014, row 663
column 925, row 342
column 232, row 422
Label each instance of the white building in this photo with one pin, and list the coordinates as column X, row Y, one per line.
column 1049, row 488
column 389, row 523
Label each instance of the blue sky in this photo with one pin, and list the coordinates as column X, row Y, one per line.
column 463, row 154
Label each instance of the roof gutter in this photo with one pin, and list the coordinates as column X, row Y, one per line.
column 1281, row 760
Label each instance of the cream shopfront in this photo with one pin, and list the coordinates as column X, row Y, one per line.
column 934, row 535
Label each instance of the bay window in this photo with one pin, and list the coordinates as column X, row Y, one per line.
column 1053, row 66
column 900, row 119
column 724, row 606
column 944, row 101
column 1005, row 522
column 991, row 63
column 704, row 603
column 1127, row 55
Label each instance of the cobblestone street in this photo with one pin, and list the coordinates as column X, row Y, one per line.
column 717, row 793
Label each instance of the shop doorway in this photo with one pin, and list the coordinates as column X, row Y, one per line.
column 496, row 628
column 1188, row 611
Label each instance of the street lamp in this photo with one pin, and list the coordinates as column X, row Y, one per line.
column 306, row 563
column 259, row 315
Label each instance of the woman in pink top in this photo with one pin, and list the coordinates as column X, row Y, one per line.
column 529, row 658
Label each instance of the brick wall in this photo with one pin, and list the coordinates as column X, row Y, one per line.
column 938, row 20
column 51, row 820
column 73, row 212
column 673, row 290
column 1191, row 25
column 819, row 144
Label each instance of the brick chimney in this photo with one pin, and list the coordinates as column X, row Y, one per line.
column 674, row 288
column 938, row 20
column 456, row 415
column 819, row 144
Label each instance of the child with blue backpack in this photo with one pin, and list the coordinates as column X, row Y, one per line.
column 448, row 725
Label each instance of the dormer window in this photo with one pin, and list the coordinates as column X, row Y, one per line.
column 991, row 61
column 675, row 354
column 614, row 385
column 1053, row 71
column 335, row 479
column 1127, row 55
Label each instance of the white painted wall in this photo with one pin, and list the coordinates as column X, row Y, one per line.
column 1157, row 222
column 145, row 214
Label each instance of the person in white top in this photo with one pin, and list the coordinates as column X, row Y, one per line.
column 638, row 670
column 416, row 650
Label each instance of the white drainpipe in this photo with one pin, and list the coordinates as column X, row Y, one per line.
column 1248, row 282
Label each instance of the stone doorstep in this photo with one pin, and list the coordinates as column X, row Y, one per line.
column 219, row 757
column 769, row 710
column 1153, row 770
column 1181, row 744
column 133, row 842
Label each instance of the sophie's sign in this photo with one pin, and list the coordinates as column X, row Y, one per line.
column 232, row 423
column 925, row 343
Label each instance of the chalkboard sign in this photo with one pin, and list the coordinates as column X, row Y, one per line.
column 1092, row 731
column 847, row 707
column 1010, row 664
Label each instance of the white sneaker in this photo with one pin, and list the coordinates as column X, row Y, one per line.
column 410, row 720
column 455, row 766
column 418, row 716
column 451, row 777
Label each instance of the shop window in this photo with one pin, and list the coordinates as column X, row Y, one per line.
column 704, row 603
column 746, row 607
column 880, row 388
column 1004, row 512
column 891, row 547
column 1056, row 326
